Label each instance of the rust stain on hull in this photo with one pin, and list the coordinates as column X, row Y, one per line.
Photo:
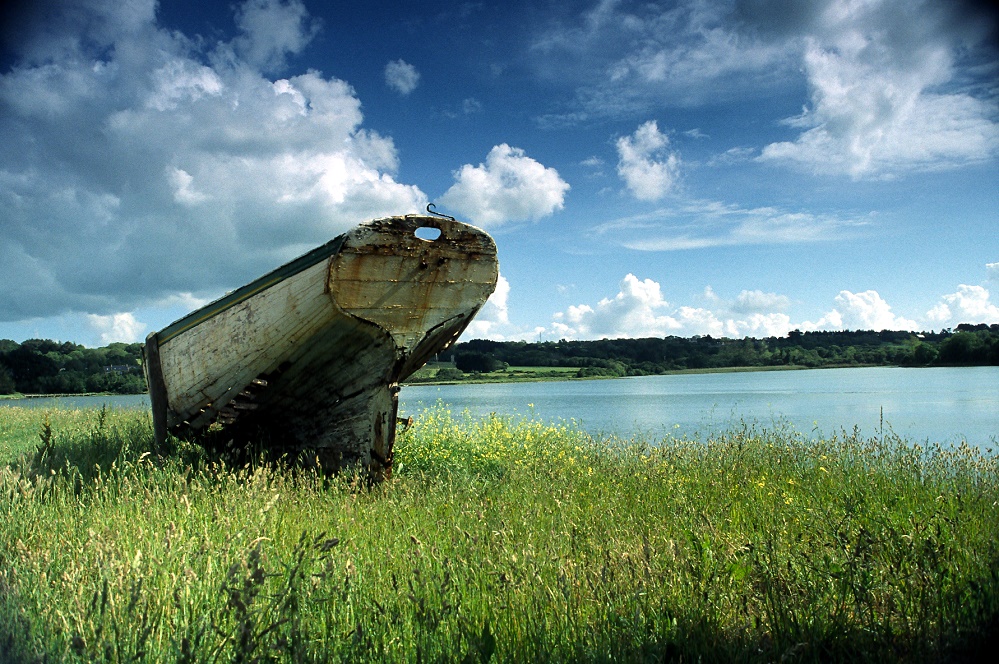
column 313, row 352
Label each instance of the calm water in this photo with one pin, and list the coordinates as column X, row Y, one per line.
column 940, row 404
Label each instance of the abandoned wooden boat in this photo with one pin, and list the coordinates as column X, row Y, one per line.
column 312, row 353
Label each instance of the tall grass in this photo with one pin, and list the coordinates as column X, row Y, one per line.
column 500, row 538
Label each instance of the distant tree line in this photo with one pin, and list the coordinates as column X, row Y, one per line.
column 40, row 366
column 965, row 346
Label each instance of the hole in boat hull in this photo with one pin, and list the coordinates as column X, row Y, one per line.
column 427, row 233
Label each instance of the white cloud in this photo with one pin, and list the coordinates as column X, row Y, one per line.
column 509, row 186
column 645, row 164
column 401, row 77
column 880, row 104
column 861, row 311
column 116, row 327
column 640, row 310
column 183, row 192
column 697, row 224
column 183, row 302
column 133, row 157
column 970, row 304
column 756, row 301
column 732, row 156
column 272, row 29
column 759, row 325
column 895, row 85
column 182, row 82
column 493, row 320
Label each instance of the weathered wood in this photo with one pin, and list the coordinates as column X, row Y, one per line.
column 157, row 389
column 320, row 345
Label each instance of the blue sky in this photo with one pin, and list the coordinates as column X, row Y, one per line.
column 733, row 168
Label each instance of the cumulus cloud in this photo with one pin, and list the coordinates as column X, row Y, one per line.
column 640, row 310
column 645, row 164
column 969, row 304
column 883, row 94
column 894, row 85
column 401, row 77
column 133, row 158
column 272, row 30
column 863, row 311
column 756, row 301
column 869, row 311
column 115, row 327
column 493, row 320
column 509, row 186
column 637, row 310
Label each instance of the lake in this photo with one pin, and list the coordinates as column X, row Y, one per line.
column 938, row 404
column 943, row 405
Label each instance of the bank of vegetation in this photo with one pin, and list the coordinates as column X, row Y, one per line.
column 500, row 539
column 967, row 345
column 39, row 366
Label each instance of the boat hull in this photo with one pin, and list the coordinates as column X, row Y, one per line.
column 311, row 355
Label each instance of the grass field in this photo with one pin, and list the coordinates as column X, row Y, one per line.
column 503, row 539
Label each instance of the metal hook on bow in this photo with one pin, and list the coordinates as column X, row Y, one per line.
column 431, row 210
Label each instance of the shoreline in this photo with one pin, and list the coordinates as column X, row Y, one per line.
column 20, row 397
column 520, row 375
column 499, row 377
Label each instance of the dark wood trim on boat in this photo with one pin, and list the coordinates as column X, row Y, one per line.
column 157, row 387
